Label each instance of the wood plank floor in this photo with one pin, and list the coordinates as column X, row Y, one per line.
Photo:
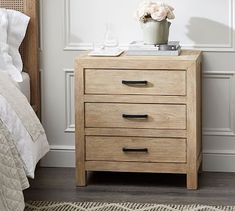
column 58, row 184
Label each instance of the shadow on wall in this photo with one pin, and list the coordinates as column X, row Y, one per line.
column 206, row 32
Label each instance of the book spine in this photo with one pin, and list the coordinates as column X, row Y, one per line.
column 152, row 53
column 141, row 48
column 169, row 47
column 156, row 48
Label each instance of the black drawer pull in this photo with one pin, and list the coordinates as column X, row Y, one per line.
column 135, row 83
column 135, row 116
column 144, row 150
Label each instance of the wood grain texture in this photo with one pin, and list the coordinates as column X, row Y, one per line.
column 160, row 116
column 169, row 116
column 140, row 62
column 199, row 107
column 31, row 53
column 179, row 168
column 156, row 149
column 144, row 99
column 79, row 126
column 135, row 132
column 193, row 124
column 159, row 82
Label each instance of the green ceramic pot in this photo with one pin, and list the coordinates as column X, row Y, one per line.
column 155, row 32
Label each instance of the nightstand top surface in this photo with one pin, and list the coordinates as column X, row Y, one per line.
column 186, row 55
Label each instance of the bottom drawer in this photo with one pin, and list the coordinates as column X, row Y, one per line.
column 135, row 149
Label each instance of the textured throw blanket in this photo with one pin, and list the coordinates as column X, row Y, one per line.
column 9, row 91
column 23, row 143
column 12, row 176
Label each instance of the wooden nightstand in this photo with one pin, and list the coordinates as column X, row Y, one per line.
column 139, row 114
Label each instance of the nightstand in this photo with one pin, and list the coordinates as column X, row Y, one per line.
column 138, row 114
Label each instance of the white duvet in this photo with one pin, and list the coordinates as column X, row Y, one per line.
column 31, row 152
column 15, row 111
column 22, row 133
column 22, row 123
column 23, row 141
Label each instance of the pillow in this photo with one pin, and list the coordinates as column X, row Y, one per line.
column 17, row 26
column 6, row 62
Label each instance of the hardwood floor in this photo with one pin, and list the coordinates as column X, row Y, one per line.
column 58, row 184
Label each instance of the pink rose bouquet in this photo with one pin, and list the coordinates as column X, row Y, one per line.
column 157, row 11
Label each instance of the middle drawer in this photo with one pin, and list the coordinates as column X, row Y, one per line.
column 155, row 116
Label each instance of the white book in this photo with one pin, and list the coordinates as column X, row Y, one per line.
column 153, row 52
column 139, row 45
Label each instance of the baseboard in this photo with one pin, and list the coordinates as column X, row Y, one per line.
column 64, row 156
column 218, row 162
column 59, row 156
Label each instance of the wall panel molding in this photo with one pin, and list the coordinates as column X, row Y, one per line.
column 209, row 131
column 69, row 99
column 213, row 160
column 68, row 45
column 230, row 131
column 226, row 47
column 216, row 47
column 219, row 152
column 62, row 147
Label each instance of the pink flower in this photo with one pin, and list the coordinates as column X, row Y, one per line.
column 159, row 14
column 170, row 14
column 156, row 10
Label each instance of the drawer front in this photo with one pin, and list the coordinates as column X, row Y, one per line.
column 155, row 116
column 135, row 149
column 152, row 82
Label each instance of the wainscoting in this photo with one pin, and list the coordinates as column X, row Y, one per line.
column 218, row 123
column 64, row 35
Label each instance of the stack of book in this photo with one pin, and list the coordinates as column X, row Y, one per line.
column 138, row 48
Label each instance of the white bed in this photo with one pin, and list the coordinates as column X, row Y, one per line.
column 25, row 85
column 23, row 143
column 22, row 138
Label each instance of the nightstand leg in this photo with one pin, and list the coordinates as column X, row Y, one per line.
column 192, row 180
column 81, row 175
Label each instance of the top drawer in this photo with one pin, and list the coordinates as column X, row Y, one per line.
column 150, row 82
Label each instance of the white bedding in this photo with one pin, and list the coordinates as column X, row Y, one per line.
column 31, row 152
column 12, row 176
column 25, row 85
column 13, row 25
column 12, row 103
column 23, row 140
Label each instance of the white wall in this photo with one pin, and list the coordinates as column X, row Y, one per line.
column 68, row 26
